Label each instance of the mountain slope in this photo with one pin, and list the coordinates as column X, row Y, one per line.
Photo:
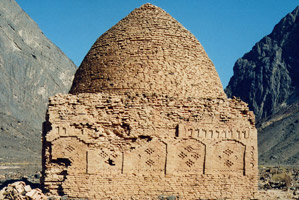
column 279, row 137
column 32, row 68
column 267, row 76
column 267, row 79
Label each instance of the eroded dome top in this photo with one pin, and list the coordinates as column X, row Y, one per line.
column 148, row 52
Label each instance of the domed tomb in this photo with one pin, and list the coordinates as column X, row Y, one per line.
column 104, row 142
column 148, row 52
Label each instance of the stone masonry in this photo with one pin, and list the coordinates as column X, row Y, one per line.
column 147, row 118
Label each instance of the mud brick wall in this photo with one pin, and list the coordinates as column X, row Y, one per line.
column 99, row 146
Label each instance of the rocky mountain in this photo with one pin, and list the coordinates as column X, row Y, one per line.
column 267, row 79
column 32, row 68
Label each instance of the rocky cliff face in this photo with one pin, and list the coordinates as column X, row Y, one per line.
column 31, row 69
column 267, row 76
column 267, row 79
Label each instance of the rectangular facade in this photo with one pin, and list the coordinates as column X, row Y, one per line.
column 136, row 147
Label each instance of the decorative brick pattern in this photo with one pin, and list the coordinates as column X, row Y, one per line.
column 190, row 157
column 147, row 158
column 231, row 156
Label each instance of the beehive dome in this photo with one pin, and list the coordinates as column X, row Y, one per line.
column 148, row 52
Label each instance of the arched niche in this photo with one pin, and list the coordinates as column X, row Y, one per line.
column 227, row 156
column 71, row 152
column 186, row 156
column 148, row 158
column 104, row 160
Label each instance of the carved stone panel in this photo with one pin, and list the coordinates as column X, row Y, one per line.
column 186, row 156
column 104, row 161
column 228, row 156
column 70, row 151
column 147, row 158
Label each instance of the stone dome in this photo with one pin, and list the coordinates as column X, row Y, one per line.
column 148, row 52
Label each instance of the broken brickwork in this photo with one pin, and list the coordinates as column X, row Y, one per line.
column 168, row 132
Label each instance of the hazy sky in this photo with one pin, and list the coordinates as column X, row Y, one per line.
column 226, row 28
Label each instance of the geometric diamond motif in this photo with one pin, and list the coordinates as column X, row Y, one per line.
column 196, row 156
column 149, row 151
column 189, row 163
column 188, row 148
column 103, row 154
column 70, row 148
column 150, row 162
column 228, row 163
column 182, row 155
column 228, row 152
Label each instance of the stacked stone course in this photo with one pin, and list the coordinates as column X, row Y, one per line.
column 169, row 132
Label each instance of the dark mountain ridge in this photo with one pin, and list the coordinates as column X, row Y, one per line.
column 267, row 78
